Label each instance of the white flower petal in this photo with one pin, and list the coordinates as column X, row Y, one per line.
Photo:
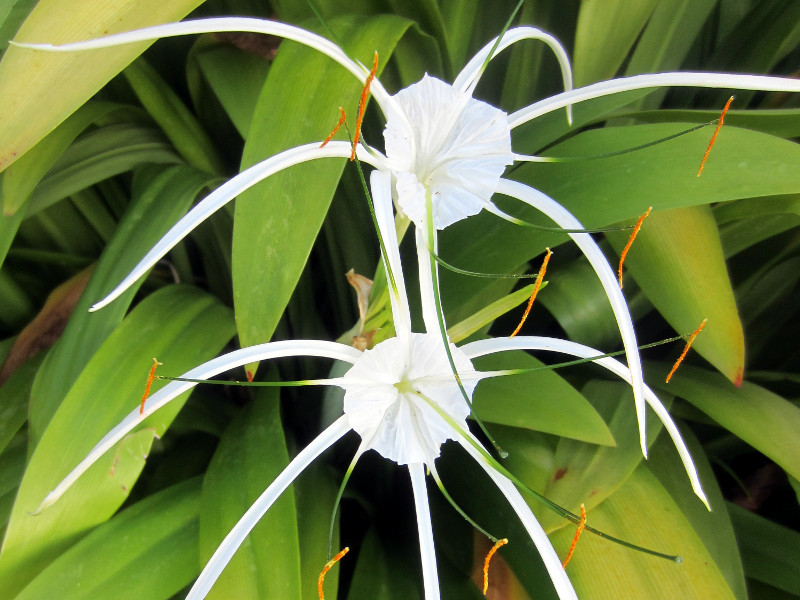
column 224, row 194
column 224, row 553
column 489, row 346
column 639, row 82
column 231, row 24
column 563, row 218
column 205, row 371
column 551, row 561
column 451, row 144
column 381, row 186
column 468, row 78
column 430, row 574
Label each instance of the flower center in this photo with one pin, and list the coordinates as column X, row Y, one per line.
column 394, row 397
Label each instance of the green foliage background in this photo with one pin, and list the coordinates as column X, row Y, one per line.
column 98, row 165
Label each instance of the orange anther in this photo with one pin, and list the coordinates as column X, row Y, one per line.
column 327, row 568
column 150, row 377
column 627, row 247
column 714, row 137
column 536, row 287
column 574, row 543
column 685, row 350
column 499, row 544
column 335, row 129
column 362, row 103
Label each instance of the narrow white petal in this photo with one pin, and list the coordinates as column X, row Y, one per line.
column 541, row 541
column 237, row 535
column 381, row 185
column 468, row 78
column 230, row 24
column 224, row 194
column 430, row 575
column 426, row 288
column 205, row 371
column 489, row 346
column 639, row 82
column 563, row 218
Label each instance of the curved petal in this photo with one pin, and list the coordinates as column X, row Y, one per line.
column 639, row 82
column 231, row 24
column 430, row 575
column 223, row 554
column 489, row 346
column 563, row 218
column 551, row 561
column 224, row 194
column 468, row 78
column 205, row 371
column 381, row 185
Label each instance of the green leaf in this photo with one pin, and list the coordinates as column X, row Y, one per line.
column 182, row 327
column 770, row 552
column 762, row 419
column 23, row 176
column 14, row 397
column 98, row 155
column 251, row 454
column 714, row 528
column 171, row 114
column 149, row 550
column 605, row 33
column 642, row 512
column 541, row 401
column 148, row 217
column 277, row 221
column 40, row 90
column 678, row 262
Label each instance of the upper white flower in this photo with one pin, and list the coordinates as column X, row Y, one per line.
column 449, row 143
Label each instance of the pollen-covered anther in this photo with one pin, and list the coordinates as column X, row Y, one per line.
column 627, row 247
column 714, row 137
column 150, row 377
column 327, row 568
column 341, row 121
column 499, row 544
column 575, row 538
column 362, row 103
column 689, row 342
column 536, row 287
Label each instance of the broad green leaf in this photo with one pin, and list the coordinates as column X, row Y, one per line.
column 252, row 452
column 28, row 79
column 148, row 217
column 381, row 572
column 678, row 262
column 315, row 495
column 14, row 396
column 541, row 401
column 171, row 114
column 98, row 155
column 182, row 327
column 780, row 122
column 149, row 550
column 762, row 419
column 12, row 467
column 8, row 230
column 586, row 473
column 642, row 512
column 277, row 221
column 12, row 14
column 19, row 180
column 770, row 552
column 714, row 528
column 236, row 78
column 605, row 33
